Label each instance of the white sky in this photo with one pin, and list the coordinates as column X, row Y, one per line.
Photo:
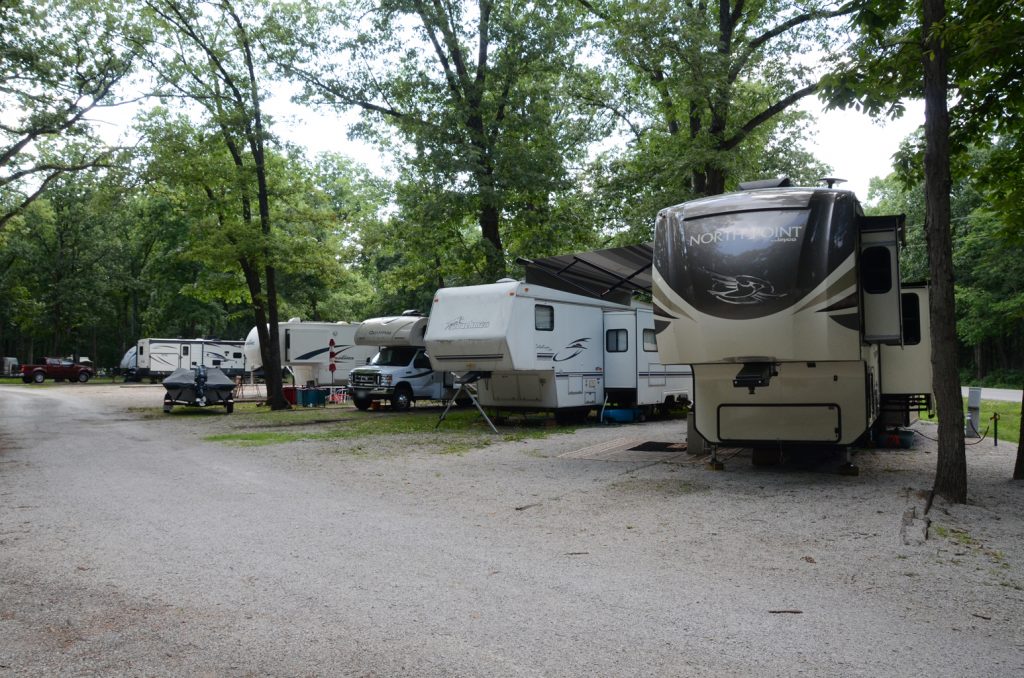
column 856, row 148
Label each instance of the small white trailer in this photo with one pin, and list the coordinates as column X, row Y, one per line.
column 11, row 367
column 540, row 348
column 158, row 358
column 318, row 353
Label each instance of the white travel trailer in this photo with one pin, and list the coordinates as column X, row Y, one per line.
column 401, row 372
column 11, row 367
column 787, row 302
column 539, row 348
column 158, row 358
column 321, row 353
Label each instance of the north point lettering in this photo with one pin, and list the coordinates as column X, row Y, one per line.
column 773, row 233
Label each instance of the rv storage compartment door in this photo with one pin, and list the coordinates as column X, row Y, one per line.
column 786, row 423
column 880, row 279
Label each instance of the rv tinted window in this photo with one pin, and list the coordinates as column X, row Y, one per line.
column 394, row 356
column 544, row 317
column 142, row 349
column 650, row 341
column 616, row 341
column 236, row 355
column 876, row 269
column 184, row 350
column 422, row 361
column 911, row 319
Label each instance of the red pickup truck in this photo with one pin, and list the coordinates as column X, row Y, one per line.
column 56, row 369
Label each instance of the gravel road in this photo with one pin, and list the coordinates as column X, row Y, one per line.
column 132, row 546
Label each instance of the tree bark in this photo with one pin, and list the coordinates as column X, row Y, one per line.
column 1018, row 468
column 951, row 469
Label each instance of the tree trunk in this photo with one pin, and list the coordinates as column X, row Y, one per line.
column 489, row 227
column 951, row 470
column 1018, row 468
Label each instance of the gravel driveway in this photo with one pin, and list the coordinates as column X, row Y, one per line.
column 131, row 546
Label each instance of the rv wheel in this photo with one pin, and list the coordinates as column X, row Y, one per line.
column 362, row 403
column 401, row 400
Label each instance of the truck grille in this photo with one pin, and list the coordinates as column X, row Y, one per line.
column 364, row 380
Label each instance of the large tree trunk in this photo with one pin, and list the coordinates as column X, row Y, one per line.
column 1018, row 468
column 951, row 470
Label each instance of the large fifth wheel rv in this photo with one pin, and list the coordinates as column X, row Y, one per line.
column 787, row 303
column 538, row 348
column 321, row 353
column 158, row 358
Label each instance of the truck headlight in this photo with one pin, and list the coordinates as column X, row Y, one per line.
column 385, row 379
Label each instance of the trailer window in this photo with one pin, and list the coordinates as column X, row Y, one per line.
column 544, row 318
column 650, row 341
column 616, row 341
column 876, row 264
column 236, row 355
column 142, row 349
column 184, row 350
column 911, row 319
column 422, row 361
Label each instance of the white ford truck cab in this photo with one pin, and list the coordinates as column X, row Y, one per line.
column 401, row 375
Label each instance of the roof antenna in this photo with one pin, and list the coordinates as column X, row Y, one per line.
column 832, row 181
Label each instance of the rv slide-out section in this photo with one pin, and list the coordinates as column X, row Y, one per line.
column 158, row 358
column 318, row 353
column 400, row 372
column 787, row 303
column 538, row 348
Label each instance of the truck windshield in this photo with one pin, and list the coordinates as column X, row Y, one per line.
column 394, row 356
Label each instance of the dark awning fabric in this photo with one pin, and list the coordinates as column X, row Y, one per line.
column 613, row 274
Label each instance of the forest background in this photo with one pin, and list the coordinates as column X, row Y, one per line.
column 514, row 130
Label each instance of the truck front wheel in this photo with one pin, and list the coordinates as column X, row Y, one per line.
column 39, row 377
column 401, row 400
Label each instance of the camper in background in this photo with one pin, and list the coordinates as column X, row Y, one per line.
column 318, row 353
column 158, row 358
column 538, row 348
column 11, row 367
column 401, row 372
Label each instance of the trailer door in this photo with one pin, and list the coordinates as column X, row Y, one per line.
column 620, row 345
column 880, row 279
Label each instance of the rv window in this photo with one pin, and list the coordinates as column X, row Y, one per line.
column 544, row 317
column 184, row 350
column 236, row 355
column 616, row 341
column 422, row 361
column 216, row 363
column 142, row 349
column 650, row 341
column 911, row 319
column 876, row 265
column 394, row 356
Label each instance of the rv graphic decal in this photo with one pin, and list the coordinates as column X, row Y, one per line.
column 573, row 349
column 461, row 323
column 741, row 289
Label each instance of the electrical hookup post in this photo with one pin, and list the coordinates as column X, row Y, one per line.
column 973, row 412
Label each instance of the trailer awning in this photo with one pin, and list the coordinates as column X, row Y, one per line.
column 613, row 274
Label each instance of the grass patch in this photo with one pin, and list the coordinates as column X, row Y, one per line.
column 451, row 437
column 1009, row 419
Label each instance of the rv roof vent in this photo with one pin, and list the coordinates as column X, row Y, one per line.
column 777, row 182
column 831, row 181
column 412, row 311
column 504, row 280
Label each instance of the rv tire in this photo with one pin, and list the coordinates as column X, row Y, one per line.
column 362, row 404
column 401, row 399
